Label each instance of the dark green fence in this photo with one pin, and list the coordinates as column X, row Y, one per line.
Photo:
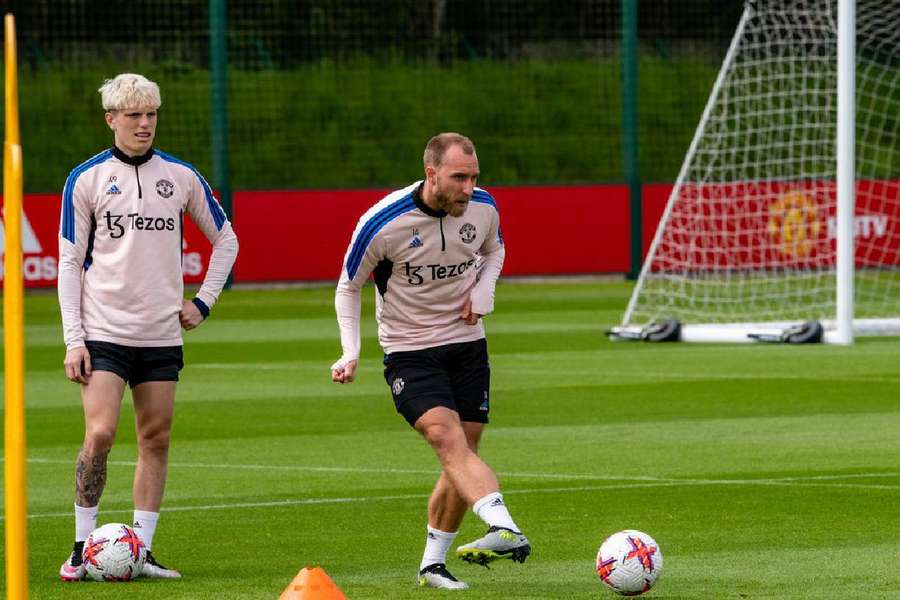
column 340, row 93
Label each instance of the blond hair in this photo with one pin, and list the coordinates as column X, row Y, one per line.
column 129, row 90
column 439, row 144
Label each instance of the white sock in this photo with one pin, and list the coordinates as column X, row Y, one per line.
column 85, row 521
column 436, row 545
column 145, row 526
column 492, row 511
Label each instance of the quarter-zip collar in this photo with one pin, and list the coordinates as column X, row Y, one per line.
column 132, row 160
column 420, row 204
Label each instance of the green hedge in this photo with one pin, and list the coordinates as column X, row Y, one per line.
column 365, row 123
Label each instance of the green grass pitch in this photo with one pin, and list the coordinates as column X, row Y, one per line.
column 764, row 472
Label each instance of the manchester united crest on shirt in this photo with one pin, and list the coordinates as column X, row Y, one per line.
column 467, row 233
column 165, row 188
column 398, row 386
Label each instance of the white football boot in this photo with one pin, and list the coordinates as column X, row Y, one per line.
column 157, row 571
column 73, row 568
column 499, row 542
column 437, row 576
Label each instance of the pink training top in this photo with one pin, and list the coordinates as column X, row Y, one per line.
column 120, row 246
column 426, row 264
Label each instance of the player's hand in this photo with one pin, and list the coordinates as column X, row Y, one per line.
column 343, row 372
column 190, row 315
column 78, row 365
column 471, row 318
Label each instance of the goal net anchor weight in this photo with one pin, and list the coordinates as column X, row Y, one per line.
column 671, row 330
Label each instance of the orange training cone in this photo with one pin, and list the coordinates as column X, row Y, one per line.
column 312, row 583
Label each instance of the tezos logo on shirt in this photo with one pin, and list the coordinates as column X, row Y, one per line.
column 416, row 274
column 118, row 224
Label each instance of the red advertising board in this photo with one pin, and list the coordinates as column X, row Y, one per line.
column 302, row 235
column 40, row 243
column 549, row 230
column 296, row 235
column 40, row 226
column 560, row 230
column 772, row 224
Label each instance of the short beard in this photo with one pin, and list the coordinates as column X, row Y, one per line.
column 449, row 207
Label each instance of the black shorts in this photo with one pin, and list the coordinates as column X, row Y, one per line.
column 457, row 376
column 137, row 365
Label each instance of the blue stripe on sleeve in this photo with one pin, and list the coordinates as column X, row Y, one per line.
column 215, row 210
column 483, row 197
column 373, row 226
column 67, row 213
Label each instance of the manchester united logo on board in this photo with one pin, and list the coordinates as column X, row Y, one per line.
column 794, row 224
column 467, row 233
column 165, row 188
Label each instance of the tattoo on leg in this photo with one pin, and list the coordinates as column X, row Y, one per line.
column 90, row 478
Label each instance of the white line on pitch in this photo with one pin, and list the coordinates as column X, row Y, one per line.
column 569, row 476
column 589, row 488
column 564, row 476
column 284, row 366
column 304, row 468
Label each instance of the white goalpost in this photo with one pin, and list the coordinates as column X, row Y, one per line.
column 784, row 222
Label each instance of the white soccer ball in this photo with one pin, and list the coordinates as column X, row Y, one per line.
column 114, row 552
column 629, row 562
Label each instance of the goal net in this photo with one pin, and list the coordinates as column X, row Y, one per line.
column 749, row 234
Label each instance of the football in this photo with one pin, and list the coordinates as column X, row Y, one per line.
column 113, row 552
column 629, row 562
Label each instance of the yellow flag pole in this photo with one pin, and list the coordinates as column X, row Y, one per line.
column 13, row 335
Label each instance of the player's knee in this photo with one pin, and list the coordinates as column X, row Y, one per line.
column 99, row 439
column 447, row 441
column 154, row 440
column 436, row 433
